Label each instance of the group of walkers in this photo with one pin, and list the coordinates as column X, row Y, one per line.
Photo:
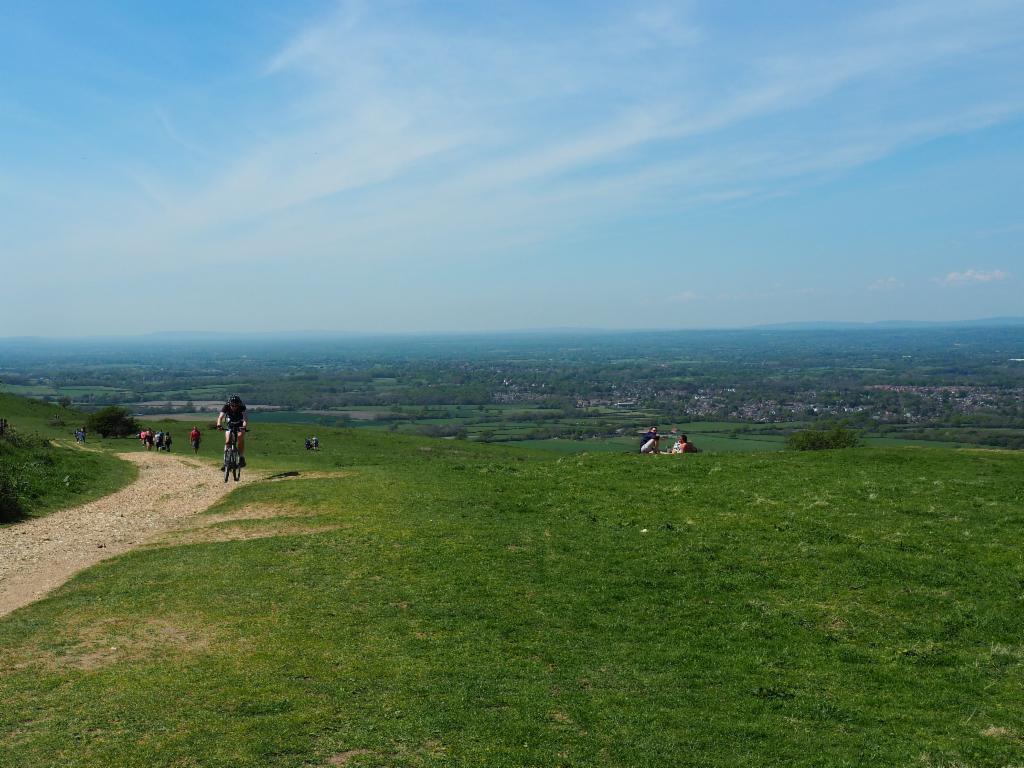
column 650, row 443
column 313, row 443
column 80, row 435
column 160, row 440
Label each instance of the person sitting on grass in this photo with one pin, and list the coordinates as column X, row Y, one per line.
column 683, row 445
column 649, row 442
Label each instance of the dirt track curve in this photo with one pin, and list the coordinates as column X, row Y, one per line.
column 38, row 555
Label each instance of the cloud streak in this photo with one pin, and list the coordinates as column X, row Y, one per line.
column 465, row 118
column 885, row 284
column 974, row 277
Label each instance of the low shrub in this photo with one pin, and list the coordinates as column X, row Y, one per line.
column 113, row 422
column 823, row 439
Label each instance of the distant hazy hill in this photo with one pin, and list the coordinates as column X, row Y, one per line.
column 213, row 338
column 989, row 322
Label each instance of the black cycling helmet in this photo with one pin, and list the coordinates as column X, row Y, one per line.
column 235, row 400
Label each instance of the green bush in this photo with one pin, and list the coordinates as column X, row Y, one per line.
column 112, row 422
column 19, row 454
column 823, row 439
column 10, row 504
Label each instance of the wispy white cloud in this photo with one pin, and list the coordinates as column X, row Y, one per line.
column 885, row 284
column 686, row 296
column 448, row 84
column 973, row 276
column 662, row 24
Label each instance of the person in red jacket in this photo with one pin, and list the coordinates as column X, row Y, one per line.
column 194, row 437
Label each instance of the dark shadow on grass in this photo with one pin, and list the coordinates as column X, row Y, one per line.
column 279, row 475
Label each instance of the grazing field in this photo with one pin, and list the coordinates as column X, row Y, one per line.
column 404, row 601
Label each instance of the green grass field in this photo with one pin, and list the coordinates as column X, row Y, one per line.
column 41, row 390
column 707, row 441
column 451, row 603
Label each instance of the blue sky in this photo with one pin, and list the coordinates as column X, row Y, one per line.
column 407, row 166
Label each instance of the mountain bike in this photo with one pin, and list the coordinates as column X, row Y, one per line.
column 232, row 459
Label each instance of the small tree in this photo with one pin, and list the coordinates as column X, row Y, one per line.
column 113, row 421
column 823, row 439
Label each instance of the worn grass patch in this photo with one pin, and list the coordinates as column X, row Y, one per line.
column 88, row 644
column 242, row 531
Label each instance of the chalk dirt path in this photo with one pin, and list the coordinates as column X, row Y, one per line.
column 37, row 556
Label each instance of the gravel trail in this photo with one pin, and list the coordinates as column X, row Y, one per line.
column 38, row 555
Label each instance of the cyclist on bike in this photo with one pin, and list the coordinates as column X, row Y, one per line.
column 233, row 413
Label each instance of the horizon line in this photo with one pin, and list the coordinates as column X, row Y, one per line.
column 550, row 330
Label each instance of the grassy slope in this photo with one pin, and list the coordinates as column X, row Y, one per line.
column 50, row 478
column 489, row 606
column 35, row 416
